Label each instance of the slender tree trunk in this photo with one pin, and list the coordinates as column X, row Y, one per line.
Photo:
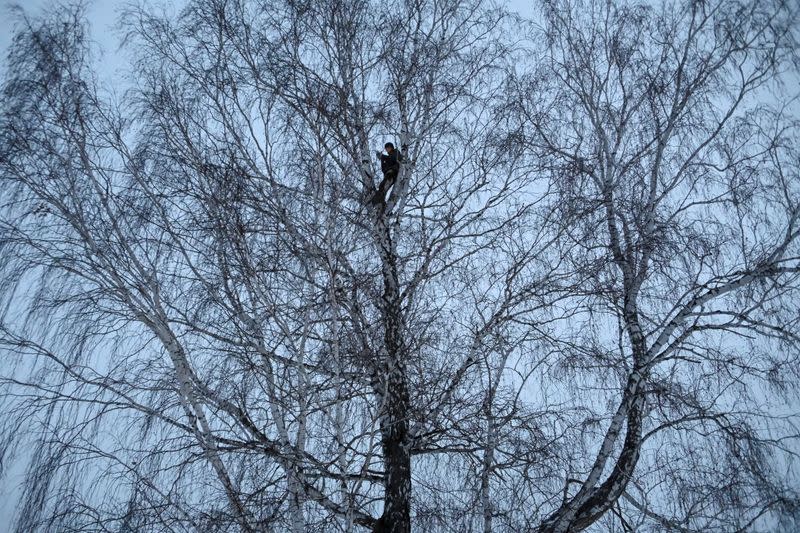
column 486, row 474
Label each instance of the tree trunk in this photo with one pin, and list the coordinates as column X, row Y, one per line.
column 394, row 424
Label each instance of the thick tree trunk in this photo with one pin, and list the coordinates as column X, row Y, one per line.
column 396, row 516
column 394, row 423
column 390, row 381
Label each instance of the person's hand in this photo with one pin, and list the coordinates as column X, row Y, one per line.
column 378, row 153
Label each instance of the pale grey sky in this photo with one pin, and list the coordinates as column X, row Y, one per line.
column 103, row 17
column 102, row 14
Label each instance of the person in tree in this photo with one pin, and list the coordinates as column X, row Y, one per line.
column 390, row 166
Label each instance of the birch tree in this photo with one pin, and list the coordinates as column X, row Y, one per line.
column 269, row 312
column 574, row 309
column 674, row 159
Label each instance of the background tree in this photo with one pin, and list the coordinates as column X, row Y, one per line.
column 674, row 161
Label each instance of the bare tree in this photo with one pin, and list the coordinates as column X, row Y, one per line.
column 233, row 221
column 574, row 307
column 674, row 158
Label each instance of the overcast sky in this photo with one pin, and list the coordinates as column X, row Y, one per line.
column 102, row 14
column 103, row 17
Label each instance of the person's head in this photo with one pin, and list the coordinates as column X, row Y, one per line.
column 389, row 148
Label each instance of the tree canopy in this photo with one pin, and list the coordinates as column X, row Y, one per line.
column 577, row 307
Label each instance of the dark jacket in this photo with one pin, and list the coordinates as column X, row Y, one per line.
column 390, row 162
